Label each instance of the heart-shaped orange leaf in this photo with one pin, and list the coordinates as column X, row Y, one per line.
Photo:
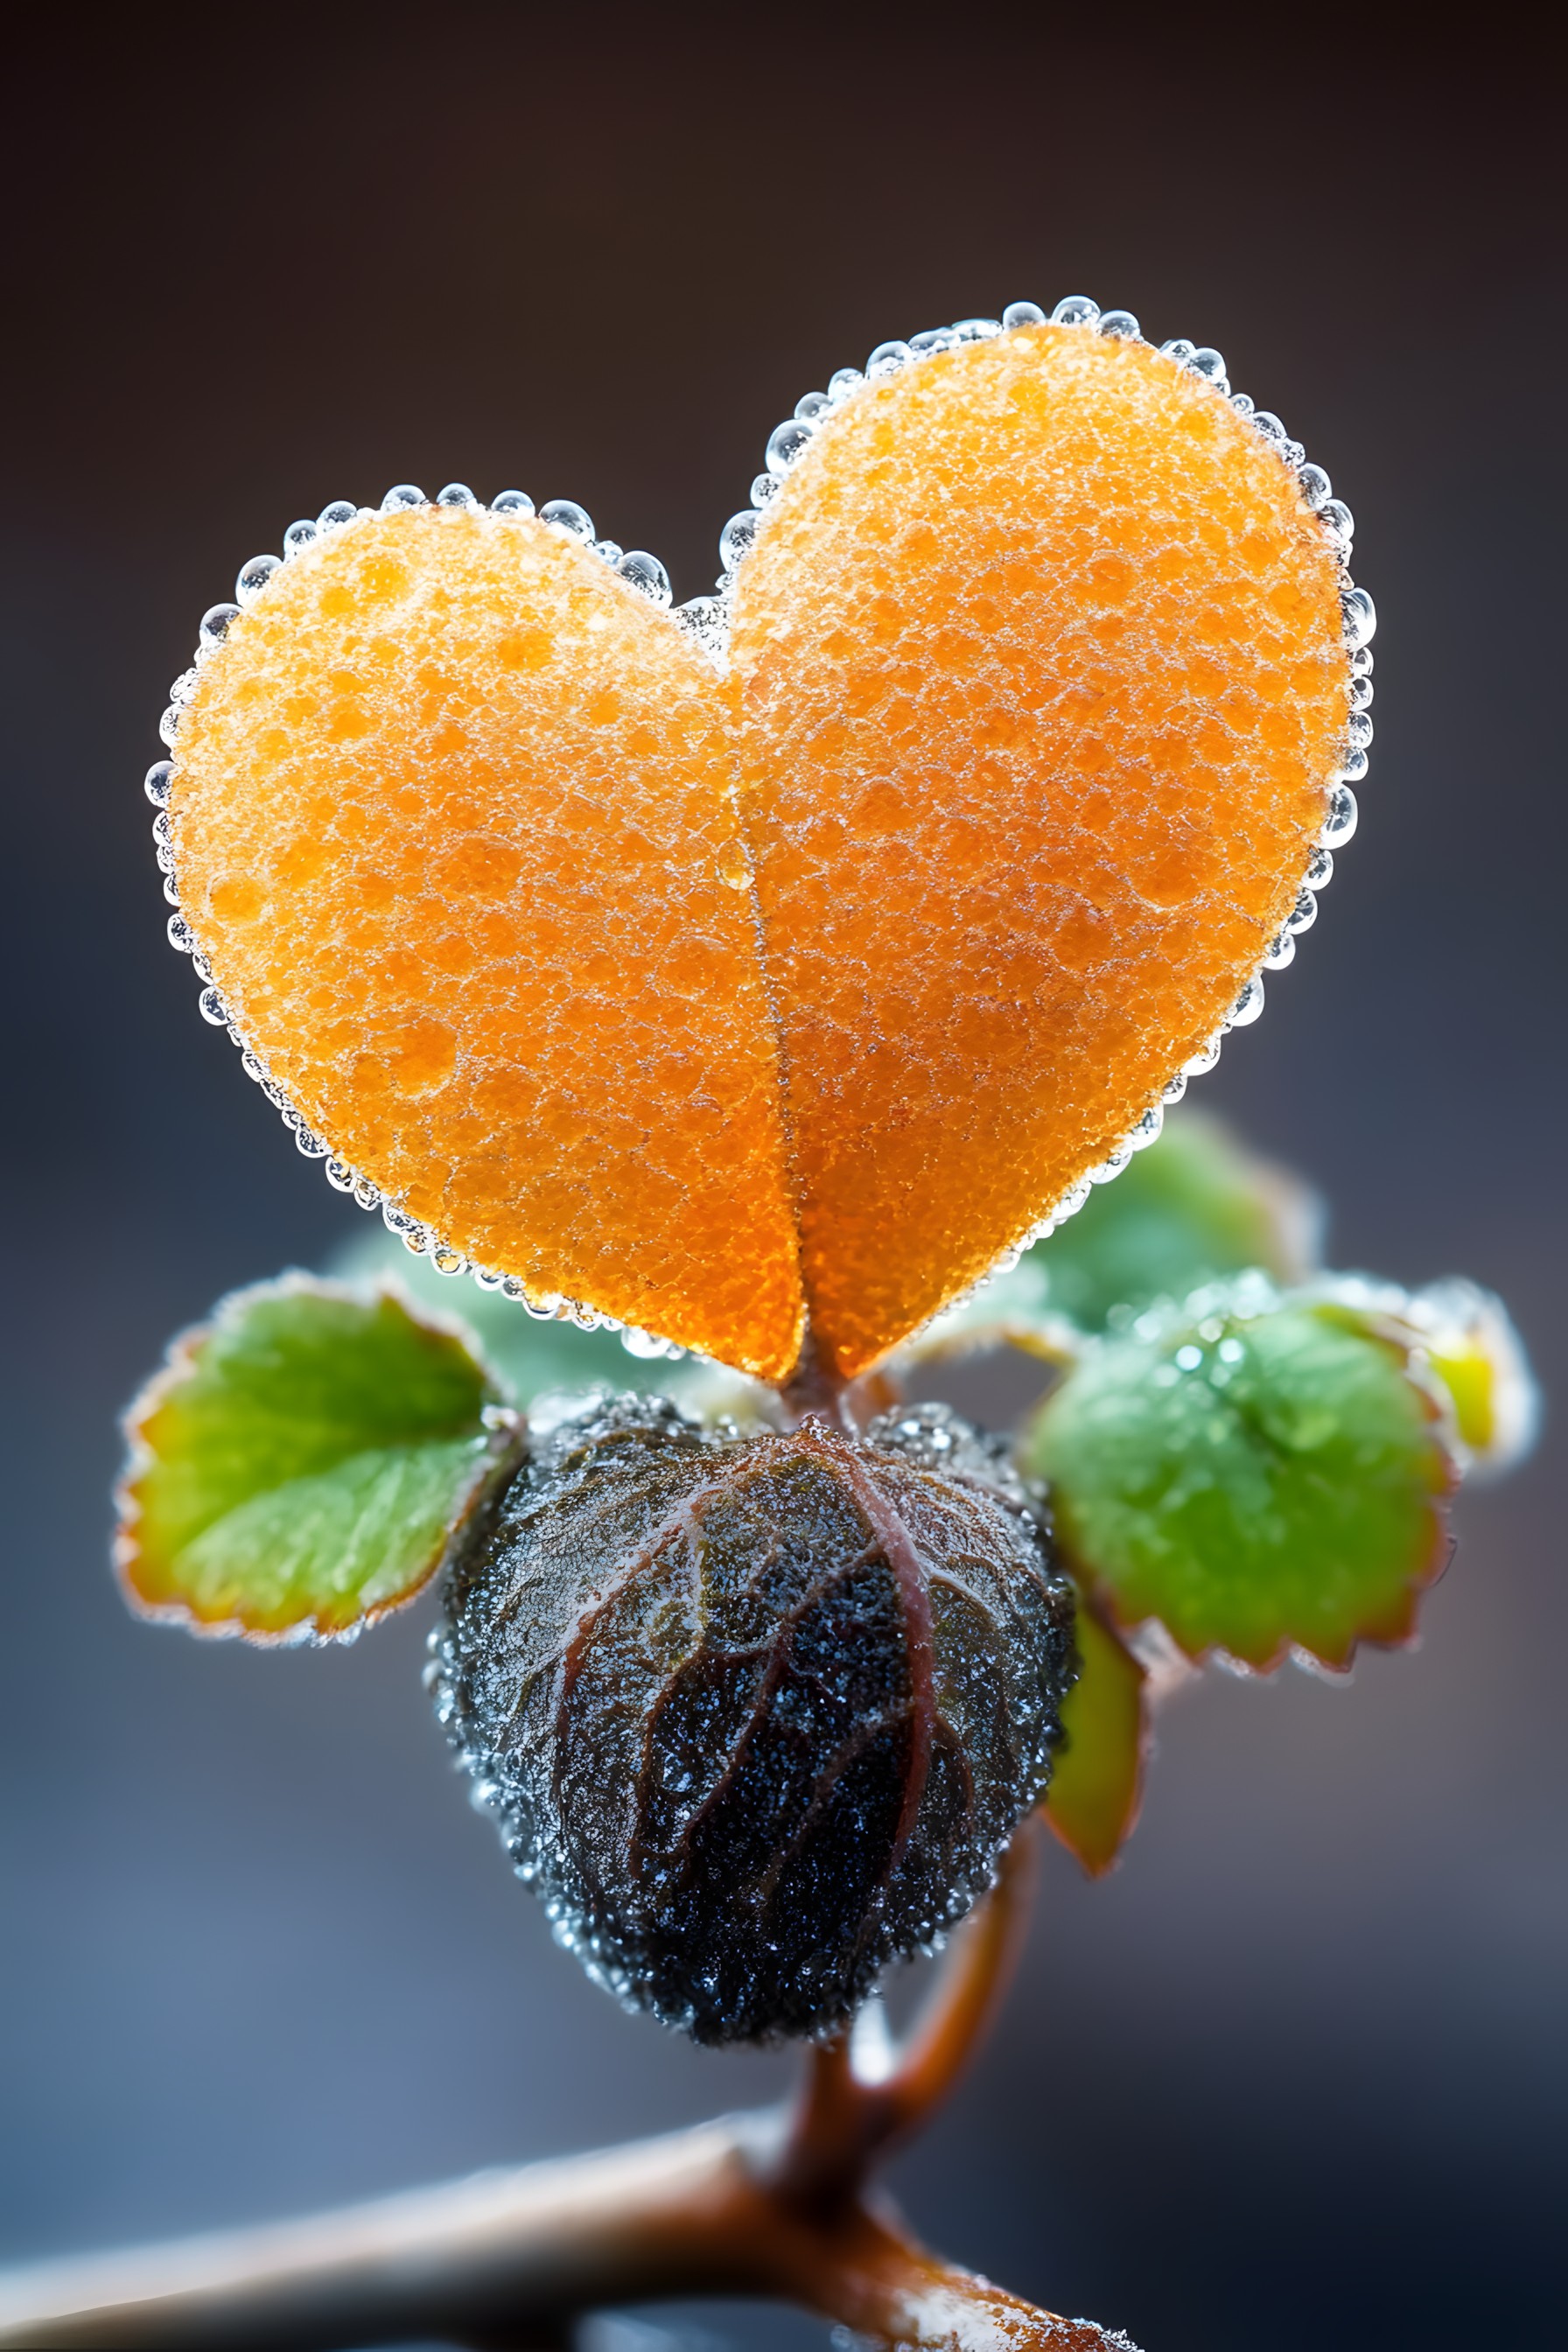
column 1044, row 682
column 723, row 996
column 454, row 824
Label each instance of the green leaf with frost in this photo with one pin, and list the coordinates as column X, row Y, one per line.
column 529, row 1355
column 1194, row 1206
column 1259, row 1474
column 304, row 1462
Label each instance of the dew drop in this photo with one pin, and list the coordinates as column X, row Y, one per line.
column 1339, row 523
column 738, row 537
column 512, row 502
column 1315, row 486
column 785, row 443
column 254, row 577
column 458, row 495
column 1360, row 618
column 216, row 623
column 1119, row 324
column 565, row 514
column 402, row 498
column 157, row 782
column 646, row 574
column 1340, row 821
column 1022, row 314
column 1248, row 1005
column 1076, row 311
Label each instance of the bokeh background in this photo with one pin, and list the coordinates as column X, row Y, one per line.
column 1295, row 2074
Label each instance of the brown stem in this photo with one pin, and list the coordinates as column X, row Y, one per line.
column 507, row 2257
column 844, row 2122
column 752, row 2205
column 814, row 1387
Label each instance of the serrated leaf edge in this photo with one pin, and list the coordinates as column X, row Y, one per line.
column 502, row 1454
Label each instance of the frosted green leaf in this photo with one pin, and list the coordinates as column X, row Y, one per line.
column 1195, row 1205
column 1258, row 1480
column 302, row 1463
column 529, row 1355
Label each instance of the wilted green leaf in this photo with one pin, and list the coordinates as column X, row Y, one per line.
column 1255, row 1478
column 1097, row 1779
column 300, row 1464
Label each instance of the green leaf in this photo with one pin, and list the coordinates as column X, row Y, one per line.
column 1194, row 1206
column 1097, row 1777
column 302, row 1463
column 530, row 1356
column 1257, row 1474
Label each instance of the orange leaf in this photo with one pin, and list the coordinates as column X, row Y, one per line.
column 721, row 998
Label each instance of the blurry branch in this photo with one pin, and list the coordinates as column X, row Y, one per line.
column 765, row 2205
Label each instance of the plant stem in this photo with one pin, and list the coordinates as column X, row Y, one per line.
column 772, row 2205
column 844, row 2121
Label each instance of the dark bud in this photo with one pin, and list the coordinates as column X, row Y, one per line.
column 756, row 1714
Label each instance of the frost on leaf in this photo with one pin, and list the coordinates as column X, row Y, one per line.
column 756, row 1714
column 1259, row 1481
column 302, row 1463
column 454, row 808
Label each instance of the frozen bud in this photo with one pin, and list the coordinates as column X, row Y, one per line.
column 762, row 1711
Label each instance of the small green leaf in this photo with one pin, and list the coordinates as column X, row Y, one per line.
column 1192, row 1206
column 302, row 1464
column 1257, row 1475
column 529, row 1355
column 1097, row 1778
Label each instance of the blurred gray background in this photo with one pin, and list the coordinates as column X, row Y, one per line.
column 1295, row 2075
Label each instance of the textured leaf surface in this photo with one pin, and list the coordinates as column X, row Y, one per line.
column 586, row 955
column 301, row 1462
column 1097, row 1781
column 1043, row 682
column 1254, row 1480
column 756, row 1715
